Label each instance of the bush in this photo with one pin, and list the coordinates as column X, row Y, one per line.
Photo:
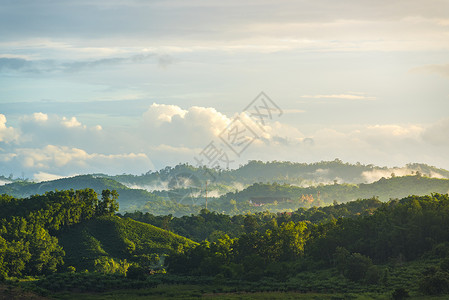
column 372, row 275
column 137, row 272
column 435, row 284
column 89, row 282
column 400, row 293
column 71, row 269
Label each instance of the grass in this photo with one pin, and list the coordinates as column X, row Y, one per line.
column 206, row 292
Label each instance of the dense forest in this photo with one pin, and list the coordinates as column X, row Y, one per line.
column 302, row 174
column 39, row 232
column 73, row 241
column 187, row 194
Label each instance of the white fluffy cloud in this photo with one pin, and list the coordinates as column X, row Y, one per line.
column 72, row 122
column 172, row 125
column 170, row 134
column 62, row 161
column 40, row 129
column 7, row 134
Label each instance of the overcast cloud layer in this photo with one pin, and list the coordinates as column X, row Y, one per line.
column 129, row 86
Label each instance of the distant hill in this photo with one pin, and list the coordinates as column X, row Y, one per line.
column 181, row 190
column 301, row 174
column 129, row 198
column 116, row 238
column 385, row 189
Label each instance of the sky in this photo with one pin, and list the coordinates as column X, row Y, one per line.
column 131, row 86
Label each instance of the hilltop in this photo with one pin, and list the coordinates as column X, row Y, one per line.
column 111, row 238
column 303, row 174
column 76, row 230
column 253, row 187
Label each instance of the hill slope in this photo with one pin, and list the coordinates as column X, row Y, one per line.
column 118, row 239
column 303, row 174
column 275, row 197
column 129, row 198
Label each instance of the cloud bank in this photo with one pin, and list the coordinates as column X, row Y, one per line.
column 47, row 146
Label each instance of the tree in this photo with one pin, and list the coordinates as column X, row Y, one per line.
column 400, row 294
column 108, row 204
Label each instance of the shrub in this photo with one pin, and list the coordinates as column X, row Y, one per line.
column 435, row 284
column 400, row 293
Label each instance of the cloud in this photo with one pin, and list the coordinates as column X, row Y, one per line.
column 437, row 134
column 293, row 111
column 64, row 160
column 7, row 63
column 40, row 129
column 160, row 113
column 339, row 96
column 441, row 69
column 375, row 175
column 43, row 176
column 265, row 26
column 169, row 134
column 51, row 65
column 172, row 125
column 7, row 134
column 72, row 122
column 3, row 182
column 165, row 60
column 40, row 117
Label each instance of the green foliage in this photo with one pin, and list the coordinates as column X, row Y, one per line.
column 118, row 239
column 284, row 186
column 357, row 266
column 107, row 265
column 435, row 280
column 398, row 231
column 210, row 225
column 400, row 294
column 28, row 226
column 89, row 282
column 71, row 269
column 307, row 250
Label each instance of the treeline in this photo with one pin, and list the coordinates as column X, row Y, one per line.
column 272, row 171
column 211, row 225
column 276, row 197
column 128, row 197
column 288, row 196
column 400, row 230
column 27, row 227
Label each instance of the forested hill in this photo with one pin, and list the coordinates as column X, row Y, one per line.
column 303, row 174
column 385, row 189
column 46, row 233
column 362, row 246
column 256, row 197
column 27, row 188
column 129, row 198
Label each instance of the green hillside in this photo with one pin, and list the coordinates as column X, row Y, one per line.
column 45, row 233
column 254, row 198
column 303, row 174
column 129, row 198
column 118, row 239
column 385, row 189
column 26, row 188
